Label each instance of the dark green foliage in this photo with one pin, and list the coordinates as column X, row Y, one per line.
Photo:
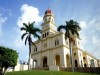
column 71, row 28
column 8, row 58
column 29, row 31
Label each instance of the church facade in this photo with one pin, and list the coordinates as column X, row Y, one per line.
column 53, row 50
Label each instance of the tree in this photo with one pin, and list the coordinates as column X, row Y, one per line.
column 8, row 58
column 71, row 30
column 29, row 31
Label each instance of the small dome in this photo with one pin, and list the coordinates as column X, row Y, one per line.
column 48, row 11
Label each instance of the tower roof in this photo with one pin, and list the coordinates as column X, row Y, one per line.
column 48, row 11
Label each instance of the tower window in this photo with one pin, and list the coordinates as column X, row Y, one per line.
column 74, row 43
column 56, row 42
column 49, row 18
column 47, row 33
column 45, row 45
column 43, row 35
column 80, row 54
column 84, row 58
column 74, row 54
column 45, row 20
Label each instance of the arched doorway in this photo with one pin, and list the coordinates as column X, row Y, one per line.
column 34, row 63
column 85, row 65
column 45, row 62
column 76, row 65
column 57, row 60
column 67, row 60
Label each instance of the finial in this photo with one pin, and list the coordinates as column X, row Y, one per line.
column 48, row 7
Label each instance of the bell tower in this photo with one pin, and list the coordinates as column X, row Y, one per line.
column 48, row 25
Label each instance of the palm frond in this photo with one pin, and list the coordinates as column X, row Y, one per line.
column 32, row 24
column 30, row 30
column 23, row 28
column 61, row 27
column 23, row 35
column 33, row 44
column 74, row 32
column 36, row 35
column 26, row 39
column 25, row 25
column 37, row 30
column 78, row 27
column 66, row 34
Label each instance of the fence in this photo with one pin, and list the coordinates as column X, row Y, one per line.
column 83, row 69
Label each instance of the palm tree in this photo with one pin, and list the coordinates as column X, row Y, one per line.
column 29, row 31
column 71, row 30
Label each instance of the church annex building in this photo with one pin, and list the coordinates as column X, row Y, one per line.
column 53, row 50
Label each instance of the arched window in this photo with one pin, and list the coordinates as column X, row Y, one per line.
column 47, row 33
column 85, row 65
column 35, row 49
column 84, row 58
column 43, row 35
column 74, row 43
column 76, row 65
column 56, row 42
column 92, row 63
column 45, row 61
column 35, row 63
column 45, row 45
column 45, row 19
column 74, row 54
column 57, row 60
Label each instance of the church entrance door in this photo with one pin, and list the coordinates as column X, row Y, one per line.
column 45, row 62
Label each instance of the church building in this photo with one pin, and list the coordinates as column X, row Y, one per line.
column 53, row 50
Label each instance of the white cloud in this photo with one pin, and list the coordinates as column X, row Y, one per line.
column 2, row 21
column 97, row 26
column 83, row 41
column 96, row 40
column 18, row 42
column 83, row 24
column 91, row 22
column 29, row 14
column 96, row 43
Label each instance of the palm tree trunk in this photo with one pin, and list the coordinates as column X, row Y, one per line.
column 71, row 59
column 29, row 58
column 29, row 66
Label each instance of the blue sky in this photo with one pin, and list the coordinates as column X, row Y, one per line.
column 14, row 12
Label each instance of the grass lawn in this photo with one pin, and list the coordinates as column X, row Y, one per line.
column 47, row 73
